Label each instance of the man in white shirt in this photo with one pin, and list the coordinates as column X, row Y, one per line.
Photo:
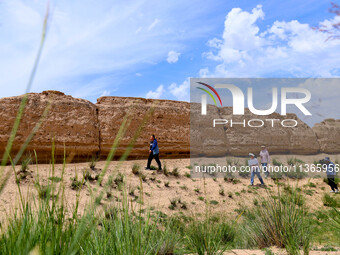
column 253, row 163
column 265, row 160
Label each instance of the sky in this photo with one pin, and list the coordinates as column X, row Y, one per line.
column 151, row 48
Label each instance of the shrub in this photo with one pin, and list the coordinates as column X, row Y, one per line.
column 135, row 169
column 294, row 161
column 25, row 164
column 87, row 175
column 132, row 191
column 165, row 170
column 119, row 181
column 209, row 237
column 54, row 178
column 173, row 203
column 290, row 161
column 184, row 205
column 244, row 174
column 221, row 191
column 330, row 201
column 143, row 177
column 184, row 187
column 276, row 176
column 229, row 161
column 229, row 177
column 93, row 163
column 44, row 191
column 175, row 172
column 309, row 192
column 213, row 202
column 197, row 190
column 279, row 222
column 311, row 185
column 76, row 184
column 276, row 162
column 298, row 174
column 235, row 181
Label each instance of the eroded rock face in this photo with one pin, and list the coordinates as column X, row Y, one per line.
column 278, row 139
column 240, row 139
column 206, row 140
column 168, row 120
column 328, row 135
column 70, row 121
column 87, row 129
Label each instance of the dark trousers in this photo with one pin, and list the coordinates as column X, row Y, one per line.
column 331, row 182
column 156, row 157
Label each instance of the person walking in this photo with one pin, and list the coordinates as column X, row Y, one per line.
column 253, row 163
column 265, row 160
column 331, row 175
column 153, row 153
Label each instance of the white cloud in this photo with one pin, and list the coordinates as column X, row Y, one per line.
column 324, row 102
column 173, row 56
column 83, row 45
column 138, row 30
column 139, row 74
column 285, row 49
column 153, row 24
column 105, row 93
column 156, row 94
column 180, row 92
column 204, row 72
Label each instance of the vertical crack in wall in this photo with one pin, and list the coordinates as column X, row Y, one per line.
column 99, row 133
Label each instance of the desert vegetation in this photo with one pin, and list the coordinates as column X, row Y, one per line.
column 51, row 217
column 278, row 217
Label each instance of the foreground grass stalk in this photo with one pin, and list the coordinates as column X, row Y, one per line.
column 3, row 180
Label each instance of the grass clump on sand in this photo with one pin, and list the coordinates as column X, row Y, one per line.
column 330, row 201
column 280, row 221
column 23, row 173
column 93, row 163
column 208, row 237
column 175, row 172
column 294, row 161
column 135, row 169
column 276, row 162
column 297, row 173
column 76, row 184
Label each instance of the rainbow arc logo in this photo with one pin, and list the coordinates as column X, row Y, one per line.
column 209, row 93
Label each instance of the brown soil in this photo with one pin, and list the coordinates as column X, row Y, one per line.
column 156, row 195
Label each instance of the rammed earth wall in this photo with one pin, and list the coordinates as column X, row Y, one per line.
column 82, row 130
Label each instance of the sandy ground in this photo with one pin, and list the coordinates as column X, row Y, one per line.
column 159, row 189
column 154, row 190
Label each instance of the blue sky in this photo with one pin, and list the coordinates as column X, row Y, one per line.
column 151, row 48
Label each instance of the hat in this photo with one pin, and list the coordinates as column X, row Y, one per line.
column 251, row 154
column 327, row 159
column 263, row 146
